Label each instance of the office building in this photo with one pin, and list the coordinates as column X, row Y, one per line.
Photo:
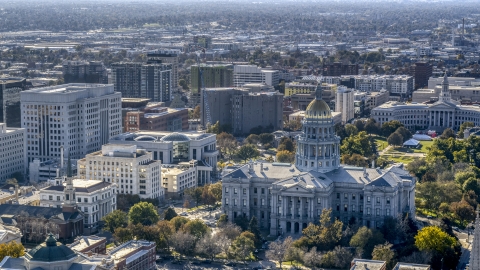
column 243, row 74
column 400, row 86
column 243, row 110
column 156, row 117
column 140, row 80
column 134, row 255
column 173, row 148
column 445, row 113
column 215, row 75
column 133, row 170
column 300, row 87
column 89, row 244
column 285, row 198
column 421, row 72
column 95, row 198
column 41, row 171
column 339, row 69
column 12, row 151
column 179, row 177
column 344, row 103
column 169, row 57
column 84, row 72
column 10, row 100
column 79, row 117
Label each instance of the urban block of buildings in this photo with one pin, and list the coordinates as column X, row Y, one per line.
column 285, row 198
column 12, row 151
column 156, row 117
column 445, row 113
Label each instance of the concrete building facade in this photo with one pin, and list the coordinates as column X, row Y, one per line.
column 10, row 89
column 243, row 74
column 80, row 117
column 132, row 169
column 156, row 118
column 12, row 151
column 344, row 103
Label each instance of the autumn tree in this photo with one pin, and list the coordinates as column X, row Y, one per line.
column 285, row 156
column 247, row 152
column 178, row 221
column 208, row 246
column 286, row 144
column 183, row 243
column 196, row 227
column 365, row 240
column 11, row 249
column 463, row 210
column 226, row 144
column 324, row 236
column 384, row 252
column 432, row 238
column 277, row 250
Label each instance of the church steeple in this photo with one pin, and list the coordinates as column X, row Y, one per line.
column 69, row 189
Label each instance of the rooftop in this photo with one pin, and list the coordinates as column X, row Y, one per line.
column 83, row 242
column 81, row 185
column 360, row 264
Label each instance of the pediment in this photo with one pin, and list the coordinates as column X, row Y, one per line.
column 296, row 188
column 443, row 105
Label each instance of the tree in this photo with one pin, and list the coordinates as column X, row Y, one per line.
column 277, row 250
column 295, row 254
column 324, row 236
column 242, row 222
column 448, row 133
column 208, row 246
column 463, row 210
column 395, row 139
column 390, row 127
column 196, row 227
column 462, row 177
column 406, row 134
column 471, row 184
column 432, row 238
column 165, row 231
column 266, row 138
column 216, row 190
column 365, row 240
column 462, row 128
column 169, row 213
column 286, row 144
column 253, row 228
column 196, row 112
column 384, row 252
column 144, row 213
column 207, row 196
column 11, row 249
column 247, row 152
column 242, row 247
column 178, row 221
column 115, row 219
column 195, row 193
column 252, row 139
column 222, row 221
column 226, row 144
column 183, row 243
column 358, row 144
column 123, row 235
column 312, row 258
column 285, row 156
column 372, row 127
column 337, row 258
column 355, row 160
column 230, row 231
column 351, row 130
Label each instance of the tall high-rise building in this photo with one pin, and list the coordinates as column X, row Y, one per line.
column 13, row 148
column 79, row 117
column 422, row 72
column 84, row 72
column 139, row 80
column 344, row 103
column 10, row 89
column 166, row 57
column 213, row 76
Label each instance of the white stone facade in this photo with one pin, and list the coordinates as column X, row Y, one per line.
column 344, row 103
column 79, row 117
column 133, row 170
column 95, row 198
column 12, row 151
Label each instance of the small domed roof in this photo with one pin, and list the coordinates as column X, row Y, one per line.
column 145, row 138
column 175, row 137
column 50, row 251
column 318, row 110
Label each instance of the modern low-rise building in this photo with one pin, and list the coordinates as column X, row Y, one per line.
column 156, row 117
column 243, row 74
column 134, row 255
column 12, row 151
column 177, row 178
column 133, row 170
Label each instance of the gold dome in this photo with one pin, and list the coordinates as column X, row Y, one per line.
column 318, row 110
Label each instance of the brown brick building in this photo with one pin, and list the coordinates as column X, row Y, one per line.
column 421, row 71
column 339, row 69
column 156, row 117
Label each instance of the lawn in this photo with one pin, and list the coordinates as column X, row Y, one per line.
column 399, row 159
column 381, row 142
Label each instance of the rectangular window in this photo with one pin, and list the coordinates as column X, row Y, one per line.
column 263, row 191
column 244, row 202
column 58, row 198
column 361, row 208
column 226, row 190
column 387, row 212
column 368, row 211
column 345, row 207
column 255, row 201
column 85, row 199
column 377, row 211
column 226, row 201
column 378, row 199
column 262, row 214
column 235, row 191
column 353, row 207
column 263, row 202
column 235, row 202
column 244, row 191
column 353, row 196
column 338, row 207
column 361, row 197
column 255, row 190
column 345, row 196
column 388, row 200
column 319, row 200
column 338, row 195
column 50, row 197
column 368, row 198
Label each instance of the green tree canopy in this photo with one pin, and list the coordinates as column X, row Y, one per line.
column 285, row 156
column 432, row 238
column 169, row 213
column 286, row 144
column 390, row 127
column 115, row 219
column 395, row 139
column 144, row 213
column 358, row 144
column 247, row 152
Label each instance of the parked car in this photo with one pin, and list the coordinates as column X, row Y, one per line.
column 183, row 214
